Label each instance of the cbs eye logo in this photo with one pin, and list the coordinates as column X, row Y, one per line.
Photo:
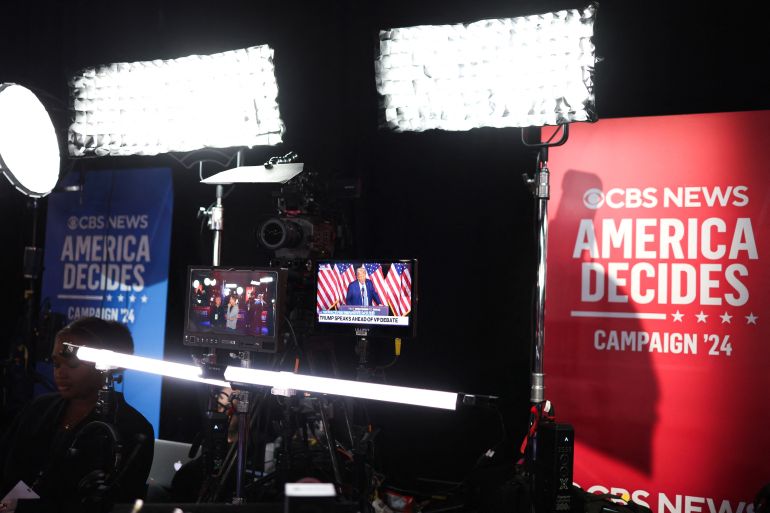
column 593, row 199
column 72, row 222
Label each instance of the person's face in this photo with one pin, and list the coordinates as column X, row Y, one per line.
column 232, row 300
column 361, row 275
column 75, row 379
column 217, row 301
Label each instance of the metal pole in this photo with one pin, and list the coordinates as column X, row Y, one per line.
column 540, row 186
column 216, row 223
column 216, row 219
column 330, row 443
column 542, row 193
column 243, row 434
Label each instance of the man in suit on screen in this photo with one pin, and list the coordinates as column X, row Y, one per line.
column 362, row 292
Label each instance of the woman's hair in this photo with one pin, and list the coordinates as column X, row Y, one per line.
column 99, row 334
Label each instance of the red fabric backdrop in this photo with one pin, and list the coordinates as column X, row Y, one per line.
column 657, row 319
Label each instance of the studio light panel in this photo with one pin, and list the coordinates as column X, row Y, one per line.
column 145, row 108
column 29, row 149
column 513, row 72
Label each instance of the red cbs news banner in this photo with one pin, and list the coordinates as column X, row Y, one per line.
column 657, row 320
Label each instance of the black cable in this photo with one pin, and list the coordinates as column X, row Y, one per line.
column 300, row 352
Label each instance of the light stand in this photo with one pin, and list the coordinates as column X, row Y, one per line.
column 30, row 160
column 542, row 479
column 215, row 215
column 277, row 169
column 24, row 373
column 243, row 433
column 213, row 419
column 540, row 186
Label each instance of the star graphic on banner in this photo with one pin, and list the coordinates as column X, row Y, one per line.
column 726, row 318
column 701, row 316
column 132, row 298
column 144, row 298
column 751, row 318
column 677, row 316
column 120, row 298
column 109, row 297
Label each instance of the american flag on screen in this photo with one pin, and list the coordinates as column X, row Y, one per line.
column 400, row 287
column 327, row 295
column 374, row 271
column 346, row 273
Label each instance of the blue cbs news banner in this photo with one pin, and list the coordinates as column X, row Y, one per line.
column 106, row 255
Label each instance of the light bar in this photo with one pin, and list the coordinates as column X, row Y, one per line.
column 29, row 150
column 145, row 108
column 106, row 359
column 513, row 72
column 358, row 389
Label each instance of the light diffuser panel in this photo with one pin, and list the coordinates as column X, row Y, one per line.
column 513, row 72
column 145, row 108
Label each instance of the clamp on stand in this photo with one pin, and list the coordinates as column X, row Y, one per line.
column 215, row 215
column 105, row 399
column 215, row 220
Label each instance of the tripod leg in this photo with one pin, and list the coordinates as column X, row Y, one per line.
column 330, row 444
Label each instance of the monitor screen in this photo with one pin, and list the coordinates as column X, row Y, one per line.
column 374, row 293
column 235, row 308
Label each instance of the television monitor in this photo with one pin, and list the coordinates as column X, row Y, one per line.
column 235, row 308
column 378, row 294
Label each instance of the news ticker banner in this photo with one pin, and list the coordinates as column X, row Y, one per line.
column 657, row 322
column 107, row 255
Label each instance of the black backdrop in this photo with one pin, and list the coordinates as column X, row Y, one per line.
column 455, row 201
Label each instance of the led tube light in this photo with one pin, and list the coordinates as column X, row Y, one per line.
column 357, row 389
column 513, row 72
column 104, row 358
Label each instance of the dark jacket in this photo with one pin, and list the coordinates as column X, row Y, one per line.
column 38, row 451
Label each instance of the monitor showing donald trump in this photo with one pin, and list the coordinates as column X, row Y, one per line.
column 377, row 293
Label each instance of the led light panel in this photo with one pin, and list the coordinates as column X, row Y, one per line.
column 513, row 72
column 145, row 108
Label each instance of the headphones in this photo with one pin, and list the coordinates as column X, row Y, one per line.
column 95, row 480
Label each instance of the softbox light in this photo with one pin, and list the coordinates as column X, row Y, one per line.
column 200, row 101
column 29, row 150
column 513, row 72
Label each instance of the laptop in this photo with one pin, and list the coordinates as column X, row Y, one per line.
column 168, row 458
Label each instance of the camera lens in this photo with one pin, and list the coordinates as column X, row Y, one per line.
column 278, row 233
